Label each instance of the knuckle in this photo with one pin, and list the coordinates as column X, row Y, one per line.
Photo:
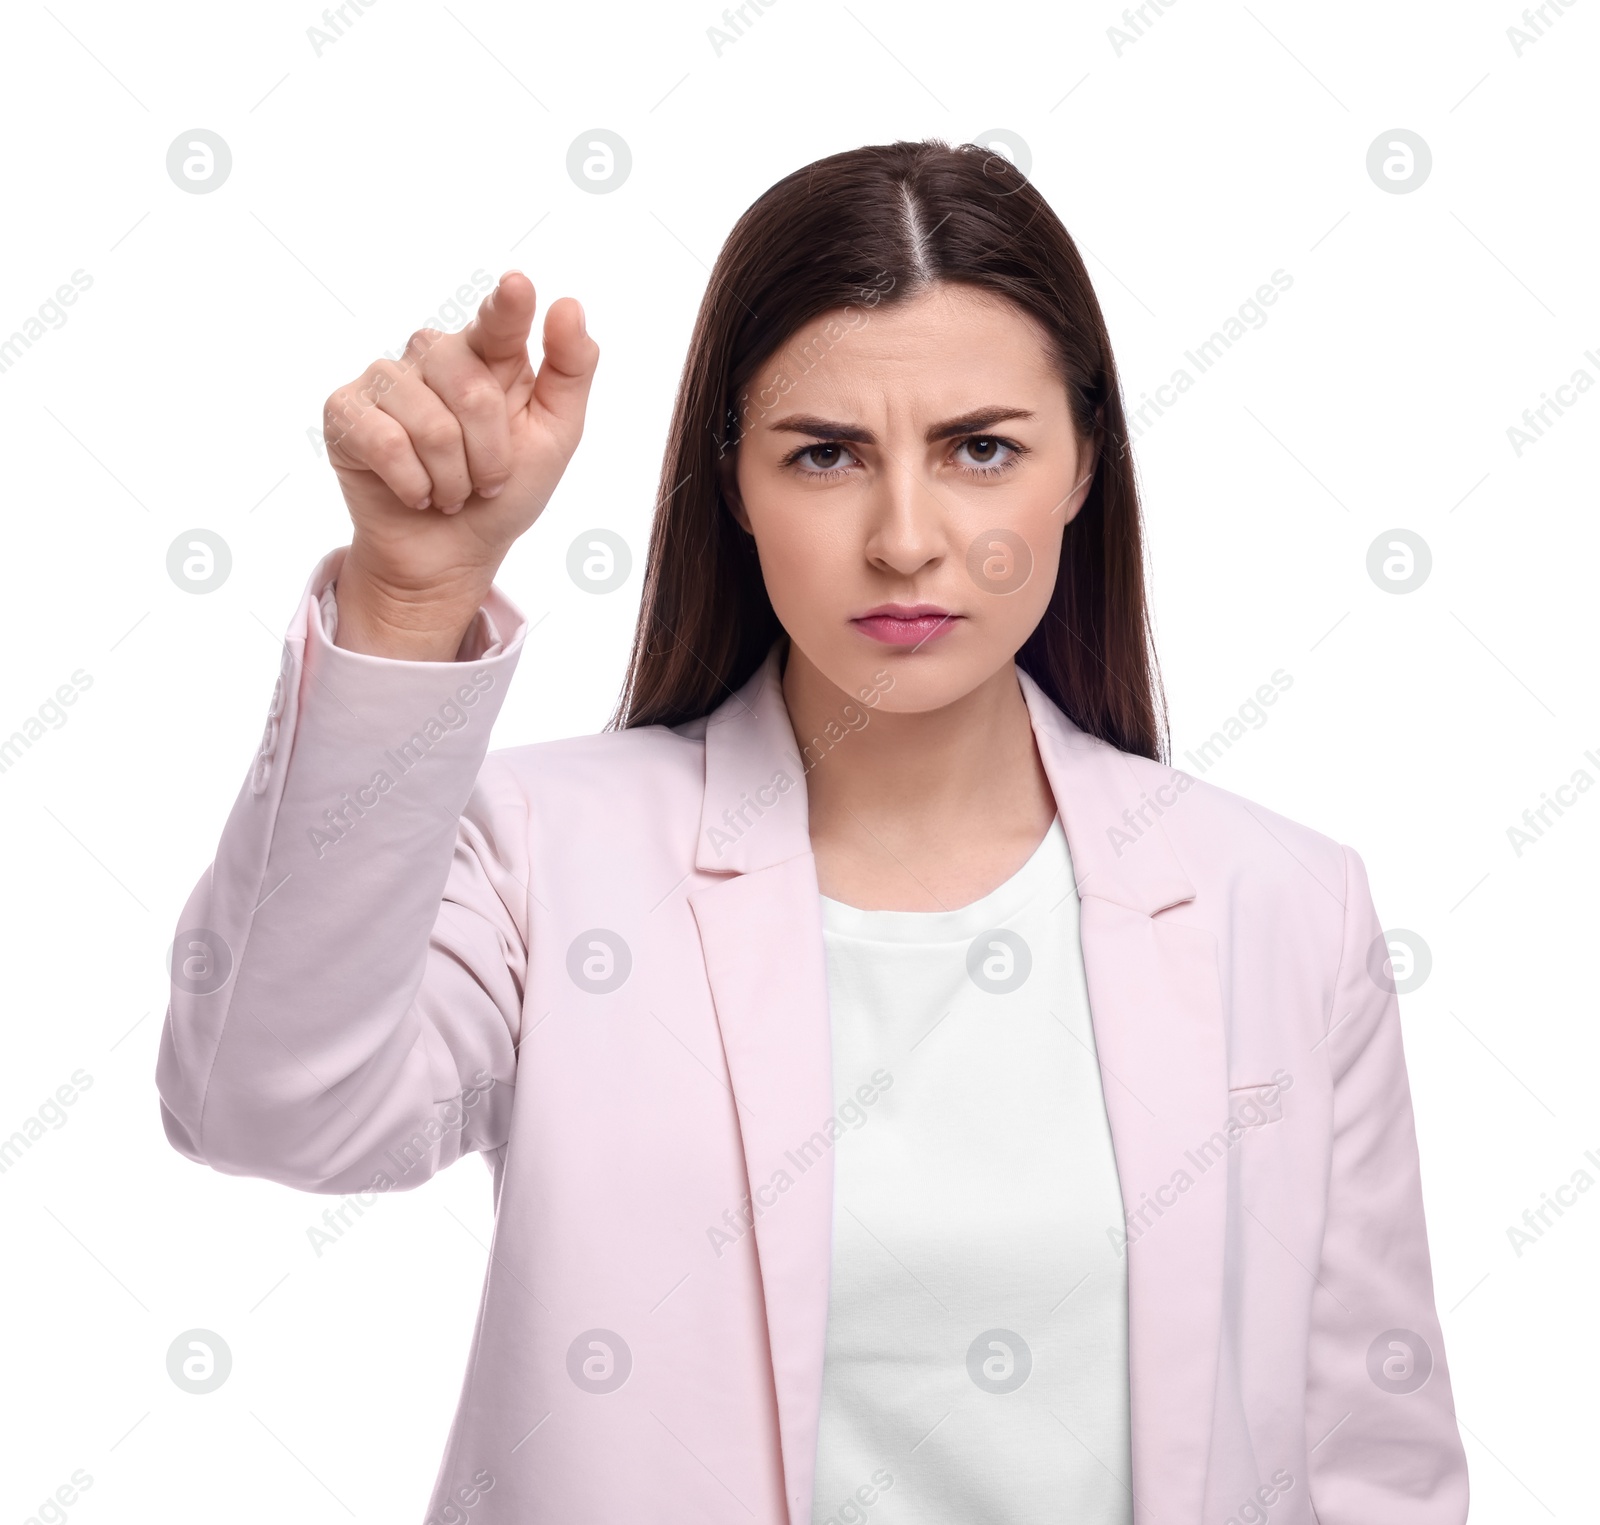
column 378, row 382
column 479, row 396
column 342, row 407
column 389, row 447
column 437, row 437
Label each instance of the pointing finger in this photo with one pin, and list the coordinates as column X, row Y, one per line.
column 498, row 335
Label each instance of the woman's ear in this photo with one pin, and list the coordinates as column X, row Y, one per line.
column 1088, row 459
column 728, row 482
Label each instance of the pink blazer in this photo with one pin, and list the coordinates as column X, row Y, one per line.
column 599, row 963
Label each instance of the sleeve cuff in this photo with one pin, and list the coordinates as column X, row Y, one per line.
column 496, row 626
column 355, row 682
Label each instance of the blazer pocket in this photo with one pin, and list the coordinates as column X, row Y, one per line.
column 1252, row 1106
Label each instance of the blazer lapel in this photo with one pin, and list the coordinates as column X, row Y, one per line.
column 761, row 931
column 1156, row 1009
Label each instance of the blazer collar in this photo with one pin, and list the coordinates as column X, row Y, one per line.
column 1120, row 851
column 754, row 811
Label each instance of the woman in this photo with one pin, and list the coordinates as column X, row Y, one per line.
column 908, row 1098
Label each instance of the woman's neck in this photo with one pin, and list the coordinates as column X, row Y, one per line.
column 918, row 811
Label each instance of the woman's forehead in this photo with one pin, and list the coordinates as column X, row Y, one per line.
column 931, row 358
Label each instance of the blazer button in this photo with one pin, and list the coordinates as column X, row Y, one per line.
column 263, row 764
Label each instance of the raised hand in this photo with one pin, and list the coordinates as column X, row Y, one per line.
column 445, row 457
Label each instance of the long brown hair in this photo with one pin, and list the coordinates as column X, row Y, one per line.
column 880, row 224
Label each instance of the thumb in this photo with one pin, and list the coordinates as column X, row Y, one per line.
column 570, row 356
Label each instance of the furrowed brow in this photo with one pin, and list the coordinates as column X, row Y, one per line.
column 824, row 429
column 832, row 429
column 975, row 422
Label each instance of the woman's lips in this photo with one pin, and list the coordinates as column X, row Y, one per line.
column 905, row 630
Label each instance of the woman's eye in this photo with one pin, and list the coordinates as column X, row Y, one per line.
column 985, row 455
column 985, row 450
column 823, row 457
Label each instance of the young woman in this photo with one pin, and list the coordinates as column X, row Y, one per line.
column 908, row 1098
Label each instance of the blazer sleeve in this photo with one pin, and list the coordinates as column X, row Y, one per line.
column 1381, row 1428
column 347, row 975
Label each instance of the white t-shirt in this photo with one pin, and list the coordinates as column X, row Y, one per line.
column 976, row 1366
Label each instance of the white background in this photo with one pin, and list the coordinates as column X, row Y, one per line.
column 371, row 180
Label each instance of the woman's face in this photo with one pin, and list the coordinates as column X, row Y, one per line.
column 907, row 472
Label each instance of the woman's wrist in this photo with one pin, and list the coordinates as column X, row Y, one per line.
column 406, row 626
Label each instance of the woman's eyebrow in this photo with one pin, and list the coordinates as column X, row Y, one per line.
column 831, row 429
